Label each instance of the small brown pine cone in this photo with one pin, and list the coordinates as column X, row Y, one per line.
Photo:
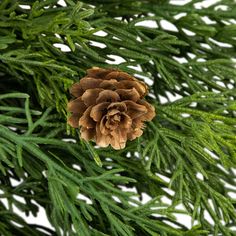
column 109, row 107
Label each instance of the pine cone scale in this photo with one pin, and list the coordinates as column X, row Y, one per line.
column 73, row 120
column 108, row 96
column 135, row 110
column 76, row 90
column 87, row 134
column 127, row 84
column 86, row 121
column 97, row 111
column 76, row 106
column 109, row 84
column 121, row 106
column 97, row 72
column 128, row 94
column 90, row 95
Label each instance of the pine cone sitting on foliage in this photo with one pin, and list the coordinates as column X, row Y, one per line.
column 109, row 107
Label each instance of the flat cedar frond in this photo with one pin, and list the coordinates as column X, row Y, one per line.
column 187, row 153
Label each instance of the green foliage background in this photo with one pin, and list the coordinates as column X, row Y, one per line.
column 189, row 148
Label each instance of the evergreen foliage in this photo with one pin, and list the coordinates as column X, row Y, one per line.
column 187, row 153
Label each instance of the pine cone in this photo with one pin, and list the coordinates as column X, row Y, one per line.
column 109, row 107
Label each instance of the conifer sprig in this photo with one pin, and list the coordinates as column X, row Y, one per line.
column 187, row 154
